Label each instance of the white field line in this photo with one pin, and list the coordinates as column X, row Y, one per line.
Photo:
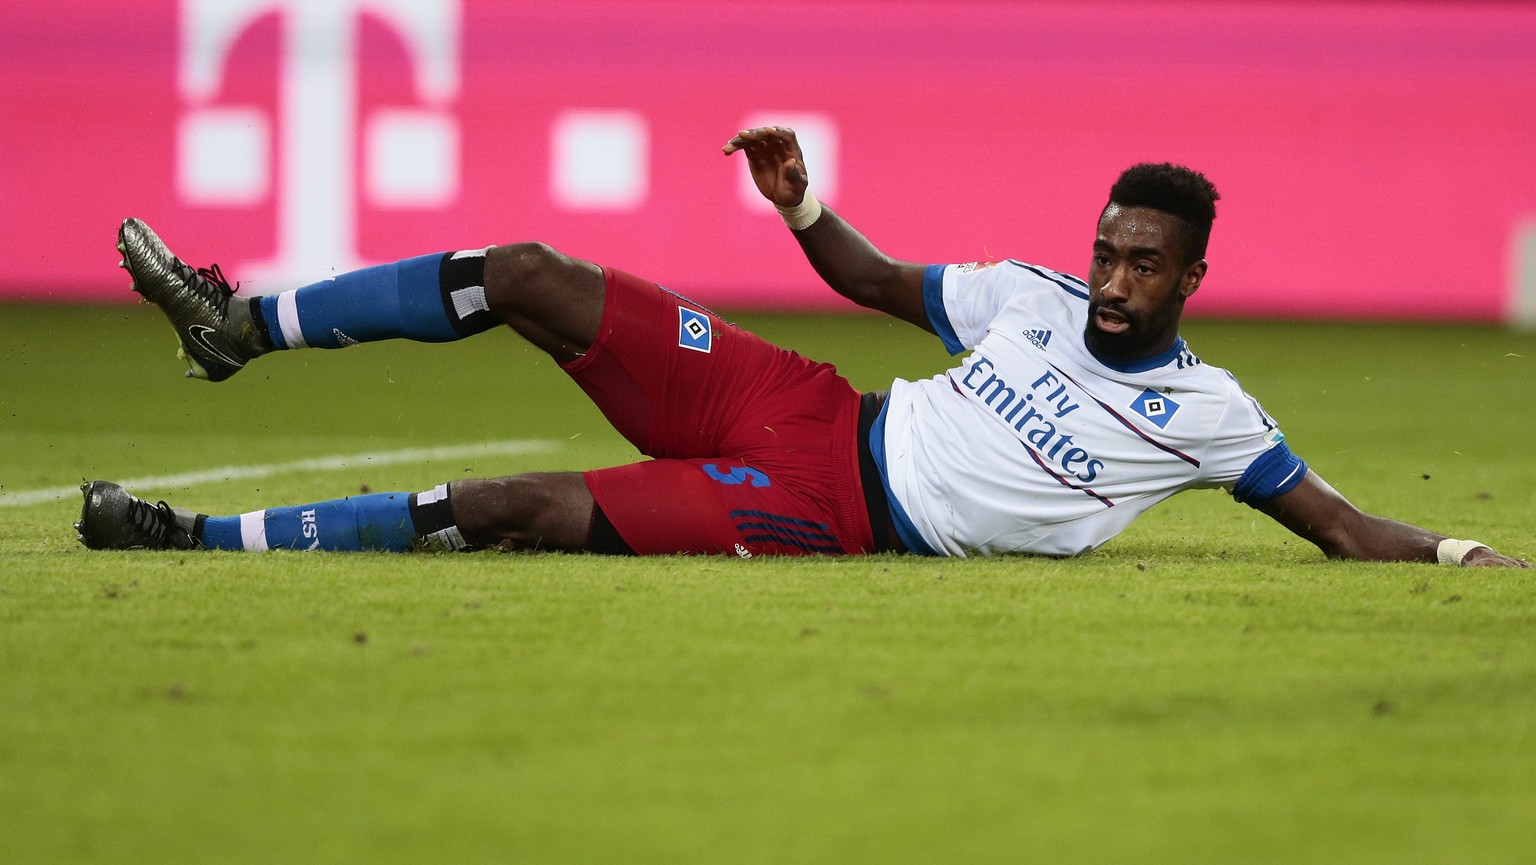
column 320, row 464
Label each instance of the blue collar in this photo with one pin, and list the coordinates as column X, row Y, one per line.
column 1142, row 364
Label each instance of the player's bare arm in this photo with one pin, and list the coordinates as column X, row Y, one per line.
column 1316, row 511
column 843, row 257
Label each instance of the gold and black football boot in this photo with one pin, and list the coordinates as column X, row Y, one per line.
column 217, row 337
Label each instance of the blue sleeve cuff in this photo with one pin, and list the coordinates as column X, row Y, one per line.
column 933, row 304
column 1273, row 474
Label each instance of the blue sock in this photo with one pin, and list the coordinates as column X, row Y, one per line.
column 430, row 298
column 389, row 522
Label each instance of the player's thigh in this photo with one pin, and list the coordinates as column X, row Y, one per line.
column 551, row 299
column 678, row 381
column 715, row 506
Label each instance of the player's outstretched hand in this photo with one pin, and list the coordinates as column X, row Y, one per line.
column 1487, row 557
column 778, row 166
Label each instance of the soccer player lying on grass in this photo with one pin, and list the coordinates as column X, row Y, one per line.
column 1078, row 407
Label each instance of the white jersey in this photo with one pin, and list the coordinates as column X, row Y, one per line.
column 1033, row 444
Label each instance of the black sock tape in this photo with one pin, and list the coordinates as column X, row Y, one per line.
column 466, row 312
column 431, row 517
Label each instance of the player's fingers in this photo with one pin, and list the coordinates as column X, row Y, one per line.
column 781, row 135
column 747, row 139
column 784, row 137
column 1497, row 560
column 742, row 140
column 764, row 158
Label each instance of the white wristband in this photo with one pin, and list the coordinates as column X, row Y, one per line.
column 801, row 215
column 1452, row 551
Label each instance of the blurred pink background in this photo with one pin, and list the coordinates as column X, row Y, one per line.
column 1375, row 159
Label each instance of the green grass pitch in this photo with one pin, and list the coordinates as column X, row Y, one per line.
column 1205, row 689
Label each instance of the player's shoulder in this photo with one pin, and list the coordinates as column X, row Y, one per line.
column 1020, row 275
column 1181, row 367
column 1039, row 273
column 1223, row 390
column 1192, row 403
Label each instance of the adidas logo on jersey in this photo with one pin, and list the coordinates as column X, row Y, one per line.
column 1040, row 336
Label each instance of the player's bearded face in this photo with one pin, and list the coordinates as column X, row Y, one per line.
column 1136, row 284
column 1144, row 333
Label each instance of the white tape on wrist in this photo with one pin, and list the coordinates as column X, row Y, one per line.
column 1451, row 551
column 801, row 215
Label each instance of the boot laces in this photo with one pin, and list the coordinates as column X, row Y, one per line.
column 153, row 522
column 209, row 283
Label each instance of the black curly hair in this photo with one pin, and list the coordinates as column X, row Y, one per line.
column 1175, row 190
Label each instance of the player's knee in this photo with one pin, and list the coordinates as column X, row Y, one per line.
column 550, row 511
column 523, row 277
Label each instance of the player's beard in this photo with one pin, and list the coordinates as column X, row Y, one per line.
column 1142, row 335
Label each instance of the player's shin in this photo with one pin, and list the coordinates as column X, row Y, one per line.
column 384, row 522
column 430, row 298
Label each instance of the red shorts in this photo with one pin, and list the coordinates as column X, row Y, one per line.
column 753, row 446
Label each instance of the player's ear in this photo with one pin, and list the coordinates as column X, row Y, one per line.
column 1192, row 279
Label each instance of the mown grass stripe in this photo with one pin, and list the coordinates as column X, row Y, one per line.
column 515, row 447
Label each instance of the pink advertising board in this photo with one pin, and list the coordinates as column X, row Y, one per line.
column 1375, row 159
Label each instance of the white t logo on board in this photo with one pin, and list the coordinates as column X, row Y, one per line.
column 410, row 155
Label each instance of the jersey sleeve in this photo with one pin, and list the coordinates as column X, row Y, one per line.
column 1248, row 456
column 962, row 299
column 1274, row 473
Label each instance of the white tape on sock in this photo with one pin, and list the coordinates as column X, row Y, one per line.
column 436, row 494
column 288, row 320
column 253, row 530
column 468, row 301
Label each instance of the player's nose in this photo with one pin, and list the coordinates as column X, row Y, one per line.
column 1113, row 290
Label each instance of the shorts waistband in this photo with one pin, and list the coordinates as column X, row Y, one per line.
column 880, row 525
